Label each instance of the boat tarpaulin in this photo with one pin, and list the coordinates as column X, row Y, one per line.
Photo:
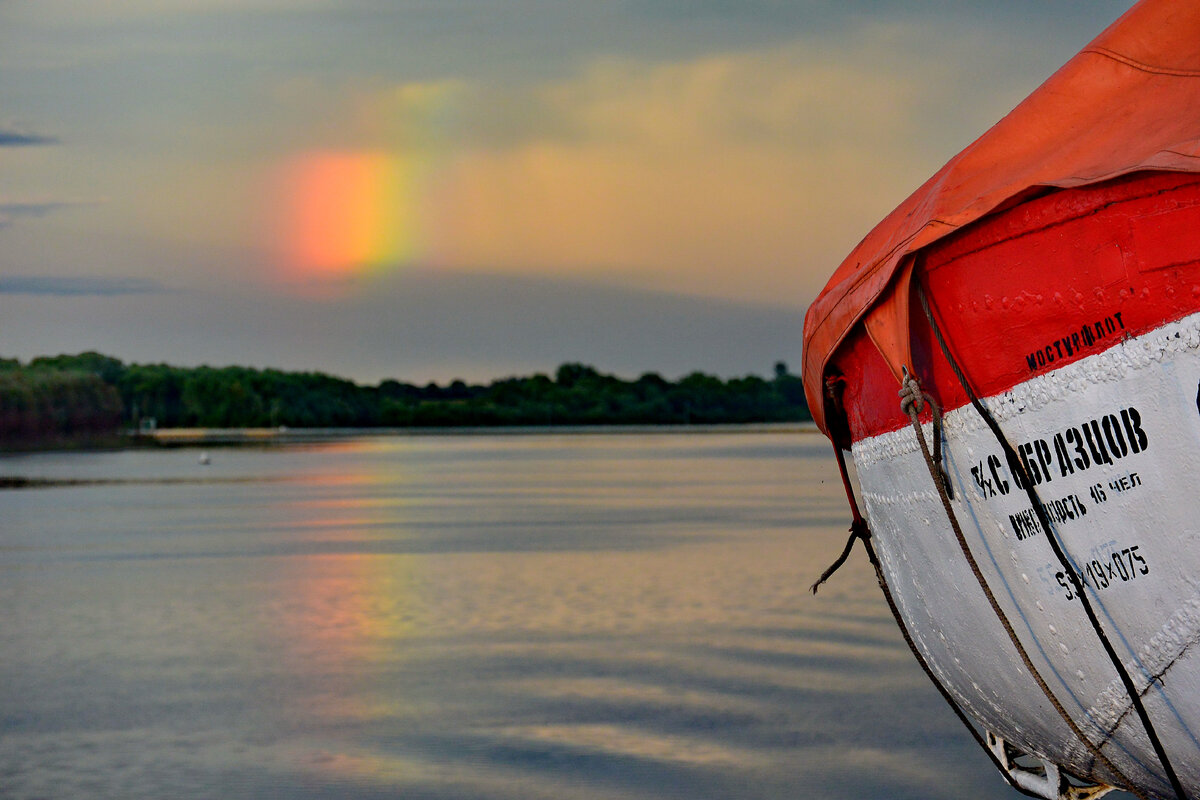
column 1129, row 101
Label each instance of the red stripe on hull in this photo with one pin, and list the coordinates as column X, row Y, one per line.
column 1039, row 286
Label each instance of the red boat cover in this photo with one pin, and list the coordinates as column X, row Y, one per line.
column 1129, row 101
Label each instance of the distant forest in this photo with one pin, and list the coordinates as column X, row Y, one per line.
column 93, row 395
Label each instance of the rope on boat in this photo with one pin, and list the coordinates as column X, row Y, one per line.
column 913, row 402
column 912, row 396
column 859, row 529
column 858, row 526
column 1014, row 463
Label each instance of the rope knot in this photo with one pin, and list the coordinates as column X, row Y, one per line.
column 911, row 396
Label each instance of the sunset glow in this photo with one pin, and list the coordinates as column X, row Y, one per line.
column 432, row 191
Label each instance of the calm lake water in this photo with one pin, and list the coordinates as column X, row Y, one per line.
column 479, row 616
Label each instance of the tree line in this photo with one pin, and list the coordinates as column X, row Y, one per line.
column 41, row 405
column 94, row 393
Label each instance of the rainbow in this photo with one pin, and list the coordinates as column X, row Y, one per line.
column 350, row 213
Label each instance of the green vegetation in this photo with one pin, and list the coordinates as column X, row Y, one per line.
column 93, row 393
column 52, row 406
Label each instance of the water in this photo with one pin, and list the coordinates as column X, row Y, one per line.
column 484, row 616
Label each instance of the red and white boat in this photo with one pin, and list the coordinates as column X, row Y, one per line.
column 1043, row 288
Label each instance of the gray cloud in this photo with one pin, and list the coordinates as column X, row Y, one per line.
column 419, row 326
column 13, row 138
column 11, row 212
column 71, row 286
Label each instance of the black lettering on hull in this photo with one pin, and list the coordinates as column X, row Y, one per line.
column 1069, row 344
column 1104, row 440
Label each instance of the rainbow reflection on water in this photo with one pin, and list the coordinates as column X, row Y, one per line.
column 521, row 617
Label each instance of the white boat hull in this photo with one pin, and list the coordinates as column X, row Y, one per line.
column 1113, row 444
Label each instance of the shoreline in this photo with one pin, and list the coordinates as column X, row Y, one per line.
column 235, row 437
column 185, row 437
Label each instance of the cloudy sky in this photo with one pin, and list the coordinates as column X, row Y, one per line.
column 429, row 189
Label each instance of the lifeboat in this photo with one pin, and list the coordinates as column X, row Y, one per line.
column 1008, row 367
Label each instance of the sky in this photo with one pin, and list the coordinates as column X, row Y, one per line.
column 438, row 189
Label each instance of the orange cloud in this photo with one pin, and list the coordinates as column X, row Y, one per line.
column 744, row 175
column 741, row 176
